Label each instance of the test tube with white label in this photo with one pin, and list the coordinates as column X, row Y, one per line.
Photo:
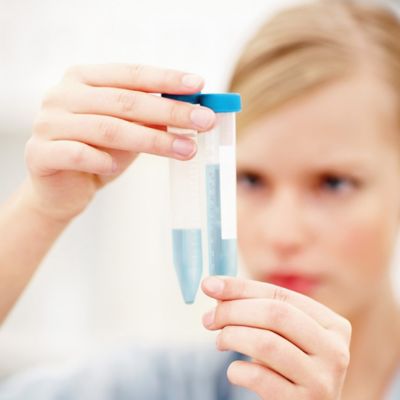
column 186, row 212
column 220, row 164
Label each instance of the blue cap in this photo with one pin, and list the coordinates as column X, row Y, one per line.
column 222, row 102
column 187, row 98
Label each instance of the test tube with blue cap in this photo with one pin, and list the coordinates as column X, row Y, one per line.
column 186, row 214
column 220, row 159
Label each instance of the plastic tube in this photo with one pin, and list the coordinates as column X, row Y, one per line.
column 220, row 177
column 186, row 215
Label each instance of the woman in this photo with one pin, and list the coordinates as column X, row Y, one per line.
column 318, row 210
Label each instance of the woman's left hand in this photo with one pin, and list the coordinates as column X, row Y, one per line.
column 299, row 347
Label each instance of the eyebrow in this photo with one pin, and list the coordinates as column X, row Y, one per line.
column 344, row 162
column 355, row 165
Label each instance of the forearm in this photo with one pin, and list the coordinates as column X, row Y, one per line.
column 26, row 236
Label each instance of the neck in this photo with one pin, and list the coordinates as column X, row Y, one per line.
column 375, row 347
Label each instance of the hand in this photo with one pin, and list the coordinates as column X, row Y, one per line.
column 299, row 347
column 93, row 124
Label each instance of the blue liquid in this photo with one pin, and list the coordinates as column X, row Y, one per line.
column 188, row 261
column 222, row 253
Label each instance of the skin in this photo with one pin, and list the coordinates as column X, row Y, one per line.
column 318, row 196
column 90, row 128
column 93, row 124
column 324, row 199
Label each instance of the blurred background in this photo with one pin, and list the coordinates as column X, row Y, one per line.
column 109, row 280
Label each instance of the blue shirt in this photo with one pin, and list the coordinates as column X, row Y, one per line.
column 141, row 373
column 393, row 392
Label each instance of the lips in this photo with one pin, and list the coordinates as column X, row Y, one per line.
column 298, row 283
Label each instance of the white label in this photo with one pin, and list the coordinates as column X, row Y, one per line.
column 228, row 191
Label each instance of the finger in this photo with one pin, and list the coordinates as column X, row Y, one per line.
column 137, row 107
column 113, row 133
column 228, row 288
column 49, row 156
column 276, row 316
column 261, row 380
column 137, row 77
column 271, row 349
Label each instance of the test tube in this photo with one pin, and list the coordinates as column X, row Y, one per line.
column 186, row 213
column 220, row 176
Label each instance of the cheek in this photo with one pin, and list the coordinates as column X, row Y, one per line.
column 363, row 246
column 253, row 247
column 247, row 235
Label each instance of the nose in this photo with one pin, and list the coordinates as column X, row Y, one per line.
column 282, row 223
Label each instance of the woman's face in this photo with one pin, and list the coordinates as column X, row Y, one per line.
column 319, row 193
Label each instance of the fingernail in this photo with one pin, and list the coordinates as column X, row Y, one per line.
column 214, row 285
column 183, row 147
column 192, row 81
column 208, row 318
column 202, row 117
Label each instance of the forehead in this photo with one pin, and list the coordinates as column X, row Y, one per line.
column 349, row 119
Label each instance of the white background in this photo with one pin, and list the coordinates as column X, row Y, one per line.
column 109, row 280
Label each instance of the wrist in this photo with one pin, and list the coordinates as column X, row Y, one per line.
column 27, row 200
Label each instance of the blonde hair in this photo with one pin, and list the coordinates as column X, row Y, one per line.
column 304, row 47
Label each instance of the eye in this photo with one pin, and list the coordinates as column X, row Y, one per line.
column 336, row 183
column 249, row 180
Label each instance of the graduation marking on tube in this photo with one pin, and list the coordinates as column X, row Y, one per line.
column 220, row 159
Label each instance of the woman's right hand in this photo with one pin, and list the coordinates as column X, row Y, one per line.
column 96, row 121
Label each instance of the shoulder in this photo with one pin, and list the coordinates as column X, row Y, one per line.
column 129, row 372
column 193, row 365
